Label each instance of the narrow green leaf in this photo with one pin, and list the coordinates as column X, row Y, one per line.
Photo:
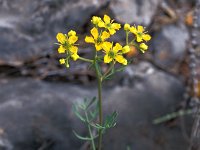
column 77, row 113
column 98, row 68
column 81, row 137
column 110, row 120
column 79, row 116
column 97, row 126
column 93, row 114
column 90, row 102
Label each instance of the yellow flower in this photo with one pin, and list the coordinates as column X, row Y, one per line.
column 62, row 61
column 71, row 33
column 140, row 33
column 67, row 44
column 108, row 24
column 114, row 53
column 95, row 20
column 143, row 47
column 127, row 27
column 61, row 49
column 125, row 49
column 96, row 38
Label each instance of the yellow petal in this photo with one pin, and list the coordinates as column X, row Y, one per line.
column 106, row 19
column 71, row 33
column 72, row 39
column 107, row 59
column 121, row 59
column 61, row 38
column 127, row 27
column 74, row 49
column 117, row 47
column 125, row 49
column 61, row 49
column 62, row 61
column 125, row 62
column 95, row 20
column 75, row 56
column 116, row 26
column 101, row 24
column 143, row 46
column 139, row 38
column 105, row 35
column 98, row 47
column 89, row 39
column 95, row 33
column 146, row 37
column 112, row 31
column 133, row 30
column 107, row 46
column 140, row 29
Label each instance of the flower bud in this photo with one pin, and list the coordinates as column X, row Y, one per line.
column 127, row 27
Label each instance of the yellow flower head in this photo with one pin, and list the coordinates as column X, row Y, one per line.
column 95, row 20
column 143, row 47
column 140, row 33
column 62, row 61
column 127, row 27
column 109, row 25
column 115, row 53
column 96, row 38
column 67, row 45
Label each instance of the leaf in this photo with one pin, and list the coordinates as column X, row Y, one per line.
column 97, row 126
column 97, row 68
column 93, row 114
column 76, row 112
column 120, row 69
column 110, row 121
column 90, row 102
column 81, row 137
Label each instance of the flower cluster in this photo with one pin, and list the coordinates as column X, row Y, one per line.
column 103, row 29
column 140, row 35
column 67, row 46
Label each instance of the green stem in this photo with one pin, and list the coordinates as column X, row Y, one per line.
column 127, row 37
column 85, row 59
column 172, row 116
column 100, row 104
column 90, row 132
column 109, row 69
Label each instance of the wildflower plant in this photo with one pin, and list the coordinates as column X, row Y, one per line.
column 105, row 51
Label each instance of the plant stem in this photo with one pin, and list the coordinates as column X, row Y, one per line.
column 100, row 104
column 85, row 59
column 90, row 132
column 108, row 70
column 127, row 37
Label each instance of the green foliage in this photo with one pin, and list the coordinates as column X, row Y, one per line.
column 87, row 112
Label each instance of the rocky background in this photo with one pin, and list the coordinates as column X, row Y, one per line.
column 37, row 93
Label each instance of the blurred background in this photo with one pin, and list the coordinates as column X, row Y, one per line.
column 37, row 92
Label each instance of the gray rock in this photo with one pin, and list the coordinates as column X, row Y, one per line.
column 169, row 45
column 134, row 11
column 153, row 94
column 38, row 114
column 28, row 28
column 35, row 114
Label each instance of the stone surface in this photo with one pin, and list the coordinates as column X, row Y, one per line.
column 134, row 11
column 39, row 113
column 28, row 28
column 152, row 95
column 169, row 45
